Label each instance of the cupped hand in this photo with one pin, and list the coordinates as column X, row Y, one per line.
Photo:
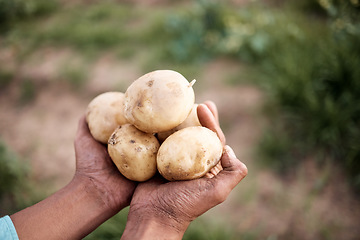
column 176, row 204
column 93, row 164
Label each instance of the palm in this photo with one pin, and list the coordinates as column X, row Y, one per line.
column 182, row 200
column 94, row 163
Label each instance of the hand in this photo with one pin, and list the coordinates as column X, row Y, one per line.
column 93, row 164
column 96, row 193
column 163, row 210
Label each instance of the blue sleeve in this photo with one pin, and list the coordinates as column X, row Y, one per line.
column 7, row 229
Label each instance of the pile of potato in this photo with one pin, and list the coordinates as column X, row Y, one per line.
column 154, row 127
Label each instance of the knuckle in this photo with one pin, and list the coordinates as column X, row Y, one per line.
column 240, row 168
column 220, row 196
column 243, row 170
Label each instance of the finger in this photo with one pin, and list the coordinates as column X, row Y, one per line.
column 83, row 132
column 209, row 175
column 212, row 107
column 227, row 160
column 83, row 129
column 208, row 120
column 219, row 166
column 214, row 171
column 232, row 166
column 84, row 137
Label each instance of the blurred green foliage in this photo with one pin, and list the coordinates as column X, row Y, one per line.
column 14, row 10
column 12, row 177
column 203, row 228
column 10, row 170
column 27, row 91
column 5, row 78
column 112, row 228
column 315, row 87
column 306, row 55
column 308, row 65
column 94, row 29
column 97, row 26
column 199, row 229
column 193, row 34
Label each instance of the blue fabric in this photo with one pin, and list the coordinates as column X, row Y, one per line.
column 7, row 229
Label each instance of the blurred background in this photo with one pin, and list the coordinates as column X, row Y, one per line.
column 285, row 76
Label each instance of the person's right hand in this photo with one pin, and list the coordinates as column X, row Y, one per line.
column 163, row 210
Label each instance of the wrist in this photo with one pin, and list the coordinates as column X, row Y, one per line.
column 149, row 225
column 85, row 186
column 100, row 196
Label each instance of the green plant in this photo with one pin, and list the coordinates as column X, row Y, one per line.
column 310, row 74
column 112, row 228
column 5, row 78
column 308, row 6
column 10, row 170
column 199, row 229
column 27, row 91
column 192, row 34
column 14, row 10
column 12, row 177
column 205, row 229
column 315, row 84
column 90, row 30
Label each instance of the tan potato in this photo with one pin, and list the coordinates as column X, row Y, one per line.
column 104, row 114
column 158, row 101
column 189, row 153
column 191, row 121
column 133, row 152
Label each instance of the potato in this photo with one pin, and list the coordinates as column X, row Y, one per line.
column 133, row 152
column 104, row 114
column 158, row 101
column 191, row 121
column 189, row 153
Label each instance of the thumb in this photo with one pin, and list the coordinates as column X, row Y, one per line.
column 83, row 129
column 233, row 171
column 232, row 165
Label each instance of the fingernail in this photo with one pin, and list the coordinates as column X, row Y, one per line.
column 229, row 151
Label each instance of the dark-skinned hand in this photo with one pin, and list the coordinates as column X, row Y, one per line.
column 94, row 164
column 173, row 205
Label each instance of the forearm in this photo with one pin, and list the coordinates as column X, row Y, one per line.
column 71, row 213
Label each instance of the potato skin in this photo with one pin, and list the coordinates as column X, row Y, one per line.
column 191, row 121
column 158, row 101
column 133, row 152
column 104, row 114
column 189, row 154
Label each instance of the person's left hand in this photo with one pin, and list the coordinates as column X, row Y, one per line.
column 97, row 192
column 93, row 164
column 161, row 209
